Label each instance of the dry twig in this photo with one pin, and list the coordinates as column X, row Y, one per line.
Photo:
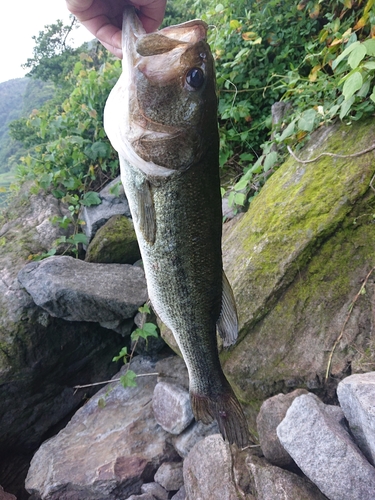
column 346, row 321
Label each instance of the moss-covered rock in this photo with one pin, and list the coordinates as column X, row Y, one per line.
column 296, row 261
column 115, row 243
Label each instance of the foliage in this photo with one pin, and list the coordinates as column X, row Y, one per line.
column 70, row 154
column 147, row 330
column 51, row 53
column 318, row 56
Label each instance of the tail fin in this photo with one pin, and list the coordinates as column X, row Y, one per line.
column 227, row 411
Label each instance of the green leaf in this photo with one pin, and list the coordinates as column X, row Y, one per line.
column 128, row 380
column 370, row 46
column 270, row 161
column 122, row 354
column 352, row 84
column 144, row 309
column 307, row 120
column 45, row 180
column 288, row 131
column 239, row 199
column 241, row 184
column 369, row 64
column 90, row 198
column 219, row 7
column 148, row 330
column 346, row 52
column 345, row 107
column 372, row 96
column 101, row 402
column 79, row 238
column 356, row 56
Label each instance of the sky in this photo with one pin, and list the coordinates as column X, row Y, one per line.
column 19, row 21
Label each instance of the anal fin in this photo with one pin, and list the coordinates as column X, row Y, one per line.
column 227, row 324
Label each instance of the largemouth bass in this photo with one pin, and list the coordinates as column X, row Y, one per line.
column 161, row 117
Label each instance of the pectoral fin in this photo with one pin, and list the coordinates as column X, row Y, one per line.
column 146, row 211
column 228, row 321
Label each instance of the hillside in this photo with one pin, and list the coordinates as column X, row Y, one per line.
column 18, row 97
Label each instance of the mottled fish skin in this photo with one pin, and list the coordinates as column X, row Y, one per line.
column 165, row 131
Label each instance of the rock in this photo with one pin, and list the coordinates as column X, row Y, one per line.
column 185, row 441
column 180, row 495
column 208, row 471
column 155, row 490
column 172, row 409
column 356, row 396
column 270, row 482
column 308, row 234
column 6, row 496
column 115, row 242
column 173, row 371
column 74, row 290
column 325, row 452
column 112, row 444
column 144, row 496
column 271, row 413
column 41, row 358
column 112, row 204
column 170, row 476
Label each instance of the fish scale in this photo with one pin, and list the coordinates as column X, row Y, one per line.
column 163, row 123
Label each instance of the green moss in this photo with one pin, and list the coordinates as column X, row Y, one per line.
column 298, row 209
column 115, row 242
column 296, row 261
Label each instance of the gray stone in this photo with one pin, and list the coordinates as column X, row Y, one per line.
column 75, row 290
column 357, row 399
column 172, row 408
column 112, row 444
column 96, row 216
column 180, row 495
column 156, row 490
column 143, row 496
column 173, row 371
column 273, row 483
column 271, row 413
column 208, row 471
column 170, row 476
column 325, row 452
column 197, row 431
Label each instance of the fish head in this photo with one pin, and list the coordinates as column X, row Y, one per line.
column 163, row 110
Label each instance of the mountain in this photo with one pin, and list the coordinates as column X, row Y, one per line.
column 18, row 97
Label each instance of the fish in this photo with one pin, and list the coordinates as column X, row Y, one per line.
column 161, row 118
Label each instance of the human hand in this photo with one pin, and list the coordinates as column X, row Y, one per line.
column 103, row 18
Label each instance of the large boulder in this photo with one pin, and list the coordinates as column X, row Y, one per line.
column 83, row 291
column 114, row 242
column 110, row 447
column 357, row 396
column 296, row 261
column 314, row 436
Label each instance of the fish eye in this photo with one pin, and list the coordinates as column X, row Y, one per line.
column 195, row 78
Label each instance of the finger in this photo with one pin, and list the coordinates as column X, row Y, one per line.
column 151, row 13
column 77, row 6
